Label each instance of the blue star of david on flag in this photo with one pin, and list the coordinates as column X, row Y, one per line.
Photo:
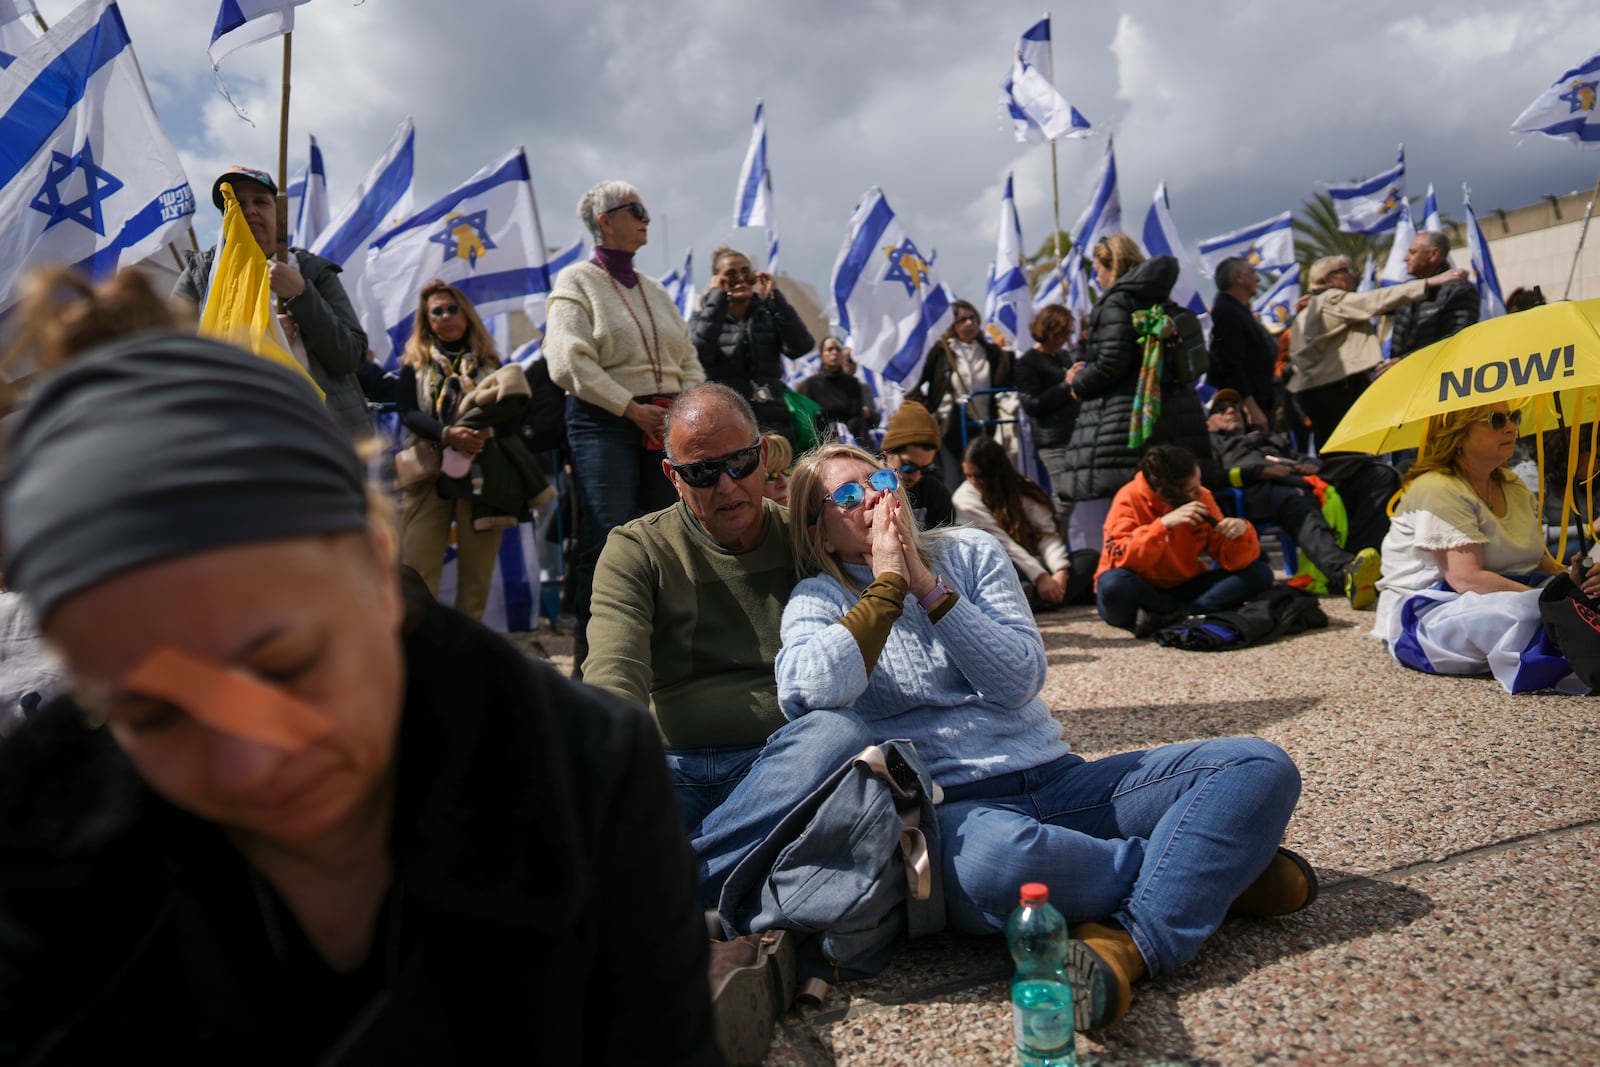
column 98, row 185
column 1581, row 97
column 906, row 265
column 465, row 237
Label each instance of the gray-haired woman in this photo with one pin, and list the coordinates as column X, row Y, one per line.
column 618, row 346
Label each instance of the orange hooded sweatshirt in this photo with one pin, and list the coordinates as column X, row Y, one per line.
column 1136, row 538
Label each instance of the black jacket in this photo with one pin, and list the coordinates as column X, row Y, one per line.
column 1242, row 352
column 842, row 398
column 746, row 354
column 1242, row 457
column 1046, row 397
column 540, row 874
column 1441, row 313
column 1098, row 454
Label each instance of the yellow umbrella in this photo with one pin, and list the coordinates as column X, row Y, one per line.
column 1544, row 362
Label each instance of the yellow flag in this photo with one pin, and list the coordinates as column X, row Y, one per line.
column 239, row 298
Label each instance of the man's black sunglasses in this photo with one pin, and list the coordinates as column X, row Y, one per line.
column 703, row 473
column 912, row 468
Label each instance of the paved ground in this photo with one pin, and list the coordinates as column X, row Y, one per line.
column 1456, row 831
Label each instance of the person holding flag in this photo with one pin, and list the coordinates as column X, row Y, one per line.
column 319, row 322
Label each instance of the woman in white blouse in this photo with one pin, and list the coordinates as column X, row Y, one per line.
column 1464, row 558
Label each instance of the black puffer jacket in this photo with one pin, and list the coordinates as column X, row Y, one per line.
column 1098, row 454
column 1046, row 397
column 745, row 354
column 1441, row 313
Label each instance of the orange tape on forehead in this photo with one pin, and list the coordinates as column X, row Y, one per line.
column 228, row 700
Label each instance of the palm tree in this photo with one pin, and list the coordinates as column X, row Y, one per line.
column 1043, row 261
column 1317, row 234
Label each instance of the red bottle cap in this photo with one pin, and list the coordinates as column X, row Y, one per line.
column 1035, row 893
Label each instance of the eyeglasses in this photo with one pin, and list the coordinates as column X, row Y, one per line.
column 739, row 275
column 704, row 473
column 962, row 320
column 779, row 475
column 1497, row 419
column 909, row 469
column 634, row 208
column 852, row 495
column 444, row 310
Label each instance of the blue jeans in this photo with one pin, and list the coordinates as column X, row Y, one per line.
column 732, row 798
column 618, row 480
column 1121, row 593
column 1162, row 841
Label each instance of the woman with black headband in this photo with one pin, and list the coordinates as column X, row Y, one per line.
column 293, row 814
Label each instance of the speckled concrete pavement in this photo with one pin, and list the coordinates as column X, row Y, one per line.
column 1455, row 830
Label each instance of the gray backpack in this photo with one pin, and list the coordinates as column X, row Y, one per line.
column 853, row 866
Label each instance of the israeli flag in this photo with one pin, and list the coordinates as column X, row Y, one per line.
column 679, row 283
column 241, row 23
column 1369, row 277
column 1267, row 245
column 515, row 589
column 482, row 237
column 380, row 202
column 1275, row 308
column 1432, row 221
column 1372, row 206
column 1103, row 216
column 534, row 349
column 1394, row 268
column 1076, row 270
column 1049, row 290
column 885, row 293
column 16, row 35
column 1028, row 93
column 1161, row 239
column 87, row 175
column 1566, row 110
column 1007, row 310
column 752, row 200
column 1490, row 302
column 308, row 201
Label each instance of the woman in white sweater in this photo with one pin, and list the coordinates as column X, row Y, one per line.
column 618, row 346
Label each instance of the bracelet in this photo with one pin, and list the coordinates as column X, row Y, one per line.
column 936, row 594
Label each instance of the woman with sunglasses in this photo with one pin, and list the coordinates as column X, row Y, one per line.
column 1464, row 559
column 618, row 346
column 449, row 354
column 742, row 332
column 928, row 636
column 962, row 362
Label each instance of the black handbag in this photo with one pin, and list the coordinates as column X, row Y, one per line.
column 1572, row 623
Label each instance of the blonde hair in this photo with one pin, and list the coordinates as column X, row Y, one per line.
column 420, row 346
column 1324, row 268
column 808, row 496
column 1440, row 450
column 780, row 453
column 1118, row 253
column 62, row 313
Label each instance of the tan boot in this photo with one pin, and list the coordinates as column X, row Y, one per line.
column 752, row 981
column 1103, row 963
column 1287, row 885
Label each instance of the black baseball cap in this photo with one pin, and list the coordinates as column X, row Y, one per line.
column 237, row 173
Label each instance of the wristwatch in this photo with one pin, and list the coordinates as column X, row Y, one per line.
column 936, row 594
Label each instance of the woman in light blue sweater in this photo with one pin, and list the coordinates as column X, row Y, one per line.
column 928, row 636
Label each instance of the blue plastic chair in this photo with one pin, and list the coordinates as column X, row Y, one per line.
column 1286, row 545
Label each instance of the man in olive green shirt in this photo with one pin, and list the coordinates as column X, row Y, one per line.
column 687, row 608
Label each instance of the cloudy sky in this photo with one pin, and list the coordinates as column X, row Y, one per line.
column 1243, row 107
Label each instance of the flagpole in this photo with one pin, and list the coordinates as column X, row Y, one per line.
column 43, row 28
column 1588, row 212
column 1055, row 190
column 283, row 155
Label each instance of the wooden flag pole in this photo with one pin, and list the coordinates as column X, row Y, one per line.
column 1055, row 190
column 1588, row 212
column 283, row 155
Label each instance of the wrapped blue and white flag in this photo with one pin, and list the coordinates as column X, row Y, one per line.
column 482, row 237
column 241, row 23
column 1566, row 110
column 1161, row 239
column 1103, row 216
column 1490, row 302
column 17, row 20
column 308, row 201
column 1028, row 93
column 679, row 283
column 1007, row 305
column 87, row 175
column 1275, row 308
column 885, row 294
column 1371, row 206
column 1266, row 245
column 1394, row 268
column 1432, row 220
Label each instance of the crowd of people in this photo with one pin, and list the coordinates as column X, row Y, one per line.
column 321, row 798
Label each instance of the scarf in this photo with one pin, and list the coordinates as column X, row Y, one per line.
column 1150, row 327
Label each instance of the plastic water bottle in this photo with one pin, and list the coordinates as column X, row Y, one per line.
column 475, row 475
column 1041, row 995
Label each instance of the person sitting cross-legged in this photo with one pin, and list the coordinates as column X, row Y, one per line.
column 1151, row 574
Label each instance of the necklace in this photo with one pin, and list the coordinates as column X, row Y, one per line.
column 651, row 353
column 1489, row 497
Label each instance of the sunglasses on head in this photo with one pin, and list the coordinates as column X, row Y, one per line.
column 444, row 310
column 1497, row 419
column 633, row 208
column 703, row 473
column 852, row 495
